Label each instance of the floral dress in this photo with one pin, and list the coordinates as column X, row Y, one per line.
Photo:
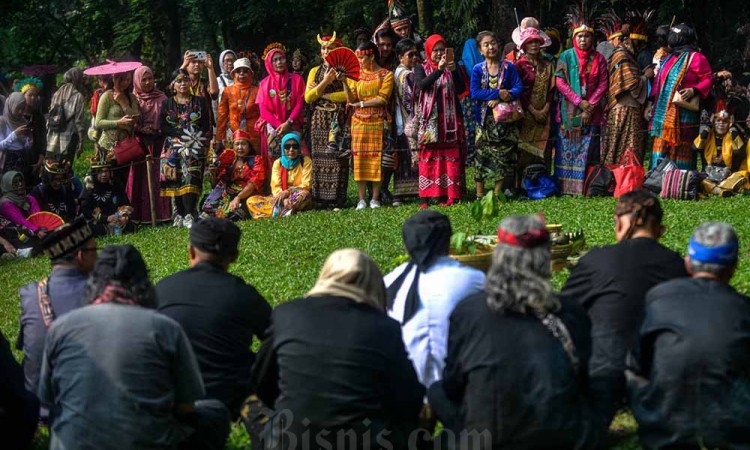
column 183, row 160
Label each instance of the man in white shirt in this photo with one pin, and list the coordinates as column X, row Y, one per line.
column 423, row 291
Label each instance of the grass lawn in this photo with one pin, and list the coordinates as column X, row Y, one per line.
column 282, row 257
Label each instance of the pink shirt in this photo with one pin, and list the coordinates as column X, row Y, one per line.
column 17, row 216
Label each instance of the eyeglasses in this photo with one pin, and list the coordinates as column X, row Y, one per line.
column 291, row 146
column 242, row 70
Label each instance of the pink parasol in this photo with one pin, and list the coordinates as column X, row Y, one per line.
column 112, row 67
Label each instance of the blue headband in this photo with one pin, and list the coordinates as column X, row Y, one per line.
column 285, row 161
column 723, row 255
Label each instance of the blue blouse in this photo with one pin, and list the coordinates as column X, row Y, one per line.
column 480, row 86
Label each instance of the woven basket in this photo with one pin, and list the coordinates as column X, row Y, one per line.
column 481, row 260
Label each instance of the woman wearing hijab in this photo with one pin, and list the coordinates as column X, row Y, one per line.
column 16, row 135
column 326, row 97
column 686, row 72
column 238, row 110
column 470, row 57
column 15, row 207
column 290, row 183
column 150, row 101
column 582, row 80
column 281, row 98
column 66, row 132
column 186, row 123
column 334, row 362
column 516, row 364
column 224, row 80
column 423, row 291
column 440, row 132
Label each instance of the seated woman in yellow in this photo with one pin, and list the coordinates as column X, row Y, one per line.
column 725, row 155
column 290, row 183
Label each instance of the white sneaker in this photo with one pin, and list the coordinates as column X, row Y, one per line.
column 177, row 221
column 187, row 222
column 374, row 204
column 361, row 205
column 397, row 203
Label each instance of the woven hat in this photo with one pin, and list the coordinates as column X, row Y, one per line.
column 66, row 239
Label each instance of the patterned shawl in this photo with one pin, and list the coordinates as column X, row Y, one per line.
column 666, row 122
column 624, row 74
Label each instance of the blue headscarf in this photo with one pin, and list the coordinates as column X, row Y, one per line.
column 470, row 56
column 723, row 255
column 290, row 164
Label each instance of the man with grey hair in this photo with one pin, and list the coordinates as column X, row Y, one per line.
column 690, row 380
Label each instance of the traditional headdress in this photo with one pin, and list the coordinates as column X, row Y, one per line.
column 638, row 21
column 28, row 83
column 326, row 41
column 579, row 18
column 612, row 25
column 298, row 55
column 56, row 167
column 241, row 135
column 273, row 46
column 396, row 14
column 529, row 239
column 66, row 239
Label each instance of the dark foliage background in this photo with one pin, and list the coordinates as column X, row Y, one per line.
column 66, row 32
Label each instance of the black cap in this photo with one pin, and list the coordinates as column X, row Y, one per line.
column 216, row 236
column 66, row 239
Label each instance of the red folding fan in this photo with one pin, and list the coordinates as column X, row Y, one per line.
column 344, row 60
column 47, row 220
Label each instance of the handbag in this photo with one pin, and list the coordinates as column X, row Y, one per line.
column 680, row 184
column 629, row 175
column 506, row 112
column 653, row 181
column 128, row 150
column 717, row 174
column 600, row 182
column 691, row 105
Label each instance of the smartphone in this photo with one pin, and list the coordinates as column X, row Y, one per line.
column 449, row 56
column 200, row 55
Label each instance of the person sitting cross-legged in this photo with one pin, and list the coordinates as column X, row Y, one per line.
column 118, row 375
column 219, row 312
column 689, row 381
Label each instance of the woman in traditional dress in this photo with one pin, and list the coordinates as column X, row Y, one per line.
column 104, row 204
column 406, row 180
column 67, row 138
column 493, row 81
column 15, row 207
column 684, row 73
column 31, row 88
column 628, row 89
column 238, row 109
column 440, row 133
column 328, row 125
column 185, row 123
column 55, row 192
column 116, row 117
column 240, row 173
column 581, row 78
column 538, row 85
column 281, row 97
column 223, row 80
column 290, row 183
column 369, row 97
column 470, row 57
column 16, row 135
column 148, row 129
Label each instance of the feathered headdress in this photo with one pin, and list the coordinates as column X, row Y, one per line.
column 273, row 46
column 27, row 83
column 579, row 18
column 611, row 25
column 638, row 21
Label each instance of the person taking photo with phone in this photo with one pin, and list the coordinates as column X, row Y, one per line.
column 15, row 134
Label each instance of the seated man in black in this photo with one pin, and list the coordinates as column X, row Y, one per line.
column 19, row 408
column 690, row 381
column 610, row 282
column 219, row 312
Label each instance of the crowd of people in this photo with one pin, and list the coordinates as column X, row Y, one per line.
column 366, row 360
column 274, row 138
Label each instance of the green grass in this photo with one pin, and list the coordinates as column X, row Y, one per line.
column 282, row 257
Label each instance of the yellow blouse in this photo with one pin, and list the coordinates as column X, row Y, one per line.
column 708, row 146
column 299, row 177
column 311, row 92
column 372, row 85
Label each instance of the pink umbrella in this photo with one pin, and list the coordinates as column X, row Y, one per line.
column 112, row 67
